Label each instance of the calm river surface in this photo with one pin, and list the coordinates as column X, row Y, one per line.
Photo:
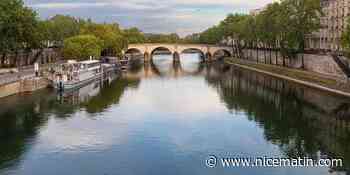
column 162, row 119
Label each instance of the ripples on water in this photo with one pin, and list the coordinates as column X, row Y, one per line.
column 162, row 118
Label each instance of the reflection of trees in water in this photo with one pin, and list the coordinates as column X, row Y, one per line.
column 298, row 125
column 21, row 120
column 342, row 112
column 19, row 123
column 109, row 95
column 135, row 66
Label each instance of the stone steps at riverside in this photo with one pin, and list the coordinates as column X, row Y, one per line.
column 33, row 84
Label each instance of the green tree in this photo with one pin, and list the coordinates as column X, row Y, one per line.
column 345, row 38
column 250, row 34
column 82, row 47
column 163, row 38
column 281, row 26
column 269, row 28
column 232, row 28
column 134, row 35
column 110, row 35
column 61, row 27
column 299, row 18
column 18, row 28
column 193, row 38
column 212, row 35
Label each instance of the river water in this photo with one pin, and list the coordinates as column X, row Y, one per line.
column 165, row 118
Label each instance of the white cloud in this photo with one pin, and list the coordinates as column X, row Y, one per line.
column 53, row 5
column 149, row 4
column 164, row 16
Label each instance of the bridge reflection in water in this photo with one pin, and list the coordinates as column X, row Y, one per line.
column 295, row 120
column 163, row 66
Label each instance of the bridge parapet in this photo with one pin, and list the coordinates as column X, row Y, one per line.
column 149, row 48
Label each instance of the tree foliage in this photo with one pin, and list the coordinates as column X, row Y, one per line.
column 212, row 35
column 163, row 38
column 61, row 27
column 134, row 35
column 345, row 38
column 18, row 26
column 110, row 35
column 281, row 25
column 82, row 47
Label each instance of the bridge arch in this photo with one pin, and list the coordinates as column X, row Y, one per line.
column 210, row 51
column 221, row 53
column 161, row 48
column 195, row 50
column 134, row 53
column 135, row 50
column 183, row 48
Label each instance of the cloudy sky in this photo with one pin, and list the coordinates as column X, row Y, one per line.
column 151, row 16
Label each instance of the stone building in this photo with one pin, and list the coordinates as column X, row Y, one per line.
column 333, row 23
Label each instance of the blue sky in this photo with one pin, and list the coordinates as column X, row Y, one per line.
column 151, row 16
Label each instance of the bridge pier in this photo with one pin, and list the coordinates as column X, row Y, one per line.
column 208, row 57
column 176, row 57
column 147, row 57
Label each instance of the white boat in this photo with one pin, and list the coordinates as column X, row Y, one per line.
column 75, row 74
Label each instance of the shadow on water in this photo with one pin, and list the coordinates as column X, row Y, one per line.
column 303, row 122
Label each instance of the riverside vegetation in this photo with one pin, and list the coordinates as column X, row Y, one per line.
column 22, row 31
column 281, row 26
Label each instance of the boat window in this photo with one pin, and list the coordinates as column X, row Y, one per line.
column 93, row 65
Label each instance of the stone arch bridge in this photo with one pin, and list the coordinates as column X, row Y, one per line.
column 208, row 51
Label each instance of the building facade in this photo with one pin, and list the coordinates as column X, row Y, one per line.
column 333, row 23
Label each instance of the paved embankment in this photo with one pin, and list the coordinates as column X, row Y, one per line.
column 21, row 81
column 306, row 78
column 23, row 85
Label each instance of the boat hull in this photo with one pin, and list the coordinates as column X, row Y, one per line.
column 67, row 85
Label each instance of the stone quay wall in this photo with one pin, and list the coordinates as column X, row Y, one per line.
column 322, row 64
column 23, row 86
column 10, row 89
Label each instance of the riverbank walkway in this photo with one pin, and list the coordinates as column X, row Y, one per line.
column 15, row 75
column 10, row 75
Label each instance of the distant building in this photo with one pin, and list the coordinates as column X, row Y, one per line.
column 333, row 23
column 255, row 12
